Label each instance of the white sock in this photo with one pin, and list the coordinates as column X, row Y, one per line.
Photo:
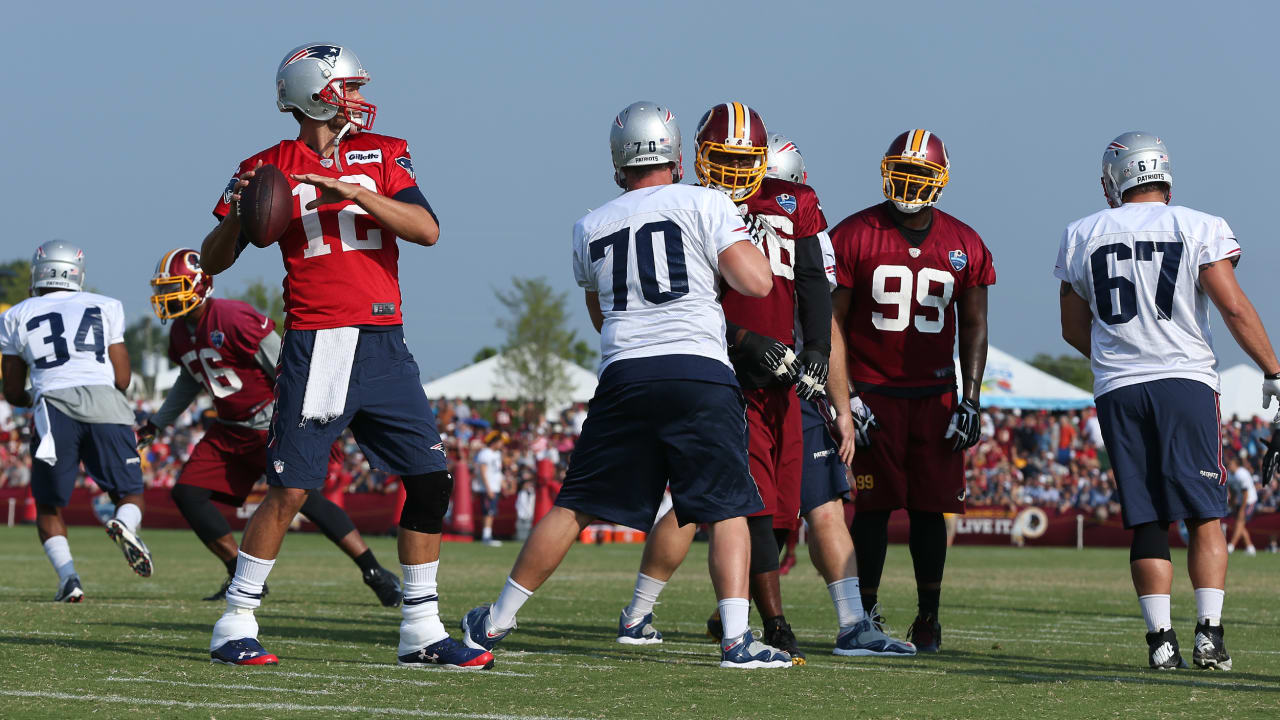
column 646, row 594
column 1155, row 610
column 130, row 515
column 486, row 533
column 246, row 587
column 420, row 625
column 848, row 601
column 502, row 615
column 59, row 554
column 1209, row 605
column 733, row 616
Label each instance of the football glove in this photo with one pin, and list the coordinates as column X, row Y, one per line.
column 864, row 421
column 146, row 433
column 770, row 356
column 812, row 366
column 964, row 426
column 1270, row 390
column 1271, row 459
column 758, row 228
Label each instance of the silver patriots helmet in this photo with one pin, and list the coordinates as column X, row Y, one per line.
column 312, row 79
column 645, row 133
column 1132, row 159
column 57, row 265
column 785, row 161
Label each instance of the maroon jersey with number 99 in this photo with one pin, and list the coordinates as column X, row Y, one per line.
column 901, row 326
column 341, row 265
column 792, row 210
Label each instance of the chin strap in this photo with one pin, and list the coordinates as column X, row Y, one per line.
column 337, row 156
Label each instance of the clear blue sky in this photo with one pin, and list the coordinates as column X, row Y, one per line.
column 124, row 124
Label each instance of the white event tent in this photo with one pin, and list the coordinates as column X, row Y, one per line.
column 1242, row 394
column 483, row 381
column 1011, row 383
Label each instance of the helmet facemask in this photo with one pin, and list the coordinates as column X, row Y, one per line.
column 739, row 180
column 912, row 183
column 173, row 296
column 334, row 93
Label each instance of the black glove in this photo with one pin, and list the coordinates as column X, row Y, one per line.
column 964, row 426
column 1271, row 459
column 864, row 421
column 771, row 356
column 146, row 432
column 813, row 368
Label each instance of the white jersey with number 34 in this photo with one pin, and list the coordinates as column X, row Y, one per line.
column 653, row 256
column 1138, row 266
column 63, row 337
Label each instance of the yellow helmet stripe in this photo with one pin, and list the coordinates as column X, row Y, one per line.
column 918, row 138
column 740, row 119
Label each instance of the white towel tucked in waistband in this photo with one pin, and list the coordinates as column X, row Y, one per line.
column 46, row 450
column 331, row 360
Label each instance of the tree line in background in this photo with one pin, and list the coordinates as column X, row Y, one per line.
column 534, row 318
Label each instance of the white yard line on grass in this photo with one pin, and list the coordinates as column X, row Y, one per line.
column 145, row 680
column 1162, row 680
column 979, row 637
column 266, row 706
column 357, row 678
column 49, row 633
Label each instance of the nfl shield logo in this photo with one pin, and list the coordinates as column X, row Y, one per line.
column 216, row 338
column 787, row 202
column 958, row 259
column 279, row 466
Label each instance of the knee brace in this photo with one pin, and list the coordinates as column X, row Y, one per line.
column 196, row 506
column 332, row 520
column 764, row 547
column 1150, row 541
column 426, row 501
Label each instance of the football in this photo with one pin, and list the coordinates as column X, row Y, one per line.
column 266, row 206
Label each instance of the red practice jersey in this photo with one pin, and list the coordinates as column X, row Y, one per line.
column 793, row 211
column 901, row 326
column 219, row 354
column 341, row 265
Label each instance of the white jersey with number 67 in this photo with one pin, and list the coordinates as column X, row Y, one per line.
column 63, row 337
column 1138, row 266
column 653, row 256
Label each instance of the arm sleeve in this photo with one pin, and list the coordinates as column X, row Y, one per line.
column 581, row 260
column 980, row 269
column 9, row 341
column 813, row 295
column 1060, row 268
column 828, row 259
column 845, row 265
column 113, row 323
column 1219, row 244
column 268, row 353
column 398, row 171
column 724, row 225
column 180, row 396
column 413, row 195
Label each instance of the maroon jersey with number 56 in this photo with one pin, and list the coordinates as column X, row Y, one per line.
column 901, row 326
column 341, row 265
column 219, row 353
column 793, row 211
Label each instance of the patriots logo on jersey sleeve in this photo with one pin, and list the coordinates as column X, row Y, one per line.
column 231, row 188
column 406, row 162
column 216, row 338
column 327, row 53
column 958, row 259
column 787, row 202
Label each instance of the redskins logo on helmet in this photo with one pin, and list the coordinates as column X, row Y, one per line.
column 733, row 148
column 915, row 168
column 179, row 285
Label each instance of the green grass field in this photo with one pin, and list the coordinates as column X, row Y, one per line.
column 1027, row 634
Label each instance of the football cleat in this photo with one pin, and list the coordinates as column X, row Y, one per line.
column 777, row 632
column 475, row 629
column 70, row 592
column 135, row 551
column 925, row 633
column 1162, row 650
column 448, row 653
column 746, row 653
column 222, row 591
column 638, row 631
column 1211, row 648
column 866, row 637
column 243, row 651
column 386, row 586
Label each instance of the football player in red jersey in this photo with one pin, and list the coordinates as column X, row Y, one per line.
column 344, row 361
column 229, row 350
column 785, row 218
column 911, row 278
